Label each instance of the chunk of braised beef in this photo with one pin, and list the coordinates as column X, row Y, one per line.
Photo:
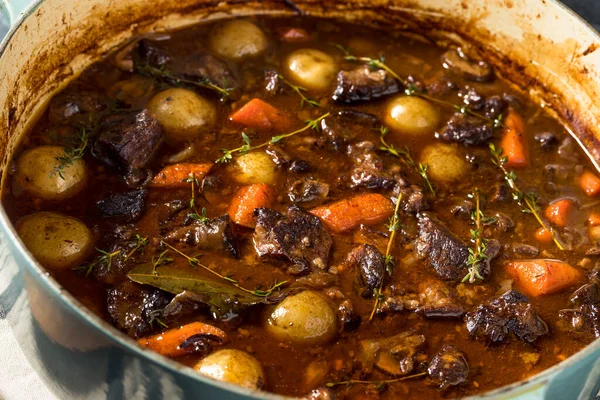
column 350, row 320
column 369, row 170
column 501, row 192
column 212, row 234
column 522, row 250
column 307, row 189
column 133, row 308
column 66, row 105
column 363, row 84
column 467, row 131
column 296, row 237
column 199, row 66
column 436, row 300
column 128, row 205
column 413, row 199
column 446, row 253
column 393, row 355
column 449, row 367
column 511, row 314
column 546, row 140
column 128, row 141
column 200, row 344
column 585, row 314
column 369, row 264
column 344, row 125
column 458, row 63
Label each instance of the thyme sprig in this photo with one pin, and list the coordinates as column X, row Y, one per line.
column 195, row 262
column 413, row 90
column 404, row 155
column 105, row 258
column 379, row 384
column 164, row 75
column 153, row 316
column 200, row 217
column 140, row 243
column 527, row 201
column 72, row 154
column 193, row 181
column 390, row 261
column 246, row 147
column 477, row 254
column 300, row 91
column 162, row 259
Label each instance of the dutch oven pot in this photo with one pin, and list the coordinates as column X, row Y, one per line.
column 538, row 44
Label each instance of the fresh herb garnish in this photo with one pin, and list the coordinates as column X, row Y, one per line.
column 72, row 154
column 200, row 217
column 300, row 91
column 390, row 261
column 105, row 258
column 528, row 202
column 404, row 155
column 140, row 243
column 476, row 255
column 195, row 262
column 162, row 259
column 246, row 147
column 379, row 384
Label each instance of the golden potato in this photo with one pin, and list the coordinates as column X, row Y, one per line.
column 255, row 167
column 445, row 163
column 238, row 39
column 311, row 68
column 56, row 241
column 411, row 115
column 304, row 318
column 233, row 366
column 38, row 174
column 183, row 114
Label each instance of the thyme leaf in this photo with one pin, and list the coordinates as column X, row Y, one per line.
column 300, row 91
column 378, row 384
column 476, row 255
column 71, row 155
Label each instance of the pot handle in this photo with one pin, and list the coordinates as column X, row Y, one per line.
column 12, row 12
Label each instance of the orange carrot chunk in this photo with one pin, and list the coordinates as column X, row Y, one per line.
column 246, row 200
column 513, row 141
column 593, row 219
column 538, row 277
column 348, row 214
column 589, row 183
column 543, row 235
column 261, row 115
column 169, row 343
column 558, row 212
column 175, row 175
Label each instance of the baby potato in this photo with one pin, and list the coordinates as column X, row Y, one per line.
column 411, row 115
column 311, row 68
column 233, row 366
column 255, row 167
column 38, row 174
column 304, row 318
column 183, row 114
column 445, row 164
column 56, row 241
column 238, row 39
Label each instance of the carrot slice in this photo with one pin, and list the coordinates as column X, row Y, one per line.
column 558, row 212
column 589, row 183
column 539, row 277
column 543, row 235
column 593, row 219
column 246, row 200
column 174, row 176
column 346, row 215
column 513, row 142
column 169, row 343
column 261, row 115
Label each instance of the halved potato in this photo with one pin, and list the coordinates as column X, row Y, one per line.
column 233, row 366
column 238, row 39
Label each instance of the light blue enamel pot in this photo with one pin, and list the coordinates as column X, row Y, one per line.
column 539, row 44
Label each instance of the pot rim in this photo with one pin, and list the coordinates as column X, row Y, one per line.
column 128, row 344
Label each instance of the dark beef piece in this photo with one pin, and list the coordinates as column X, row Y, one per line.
column 585, row 315
column 120, row 263
column 296, row 236
column 213, row 234
column 446, row 253
column 350, row 320
column 457, row 62
column 413, row 199
column 467, row 131
column 438, row 301
column 363, row 84
column 128, row 141
column 369, row 171
column 448, row 367
column 304, row 190
column 200, row 344
column 128, row 205
column 509, row 314
column 522, row 250
column 369, row 263
column 198, row 66
column 133, row 307
column 66, row 105
column 299, row 166
column 501, row 193
column 503, row 223
column 344, row 125
column 464, row 209
column 546, row 140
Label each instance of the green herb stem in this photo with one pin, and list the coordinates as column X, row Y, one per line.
column 378, row 383
column 300, row 91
